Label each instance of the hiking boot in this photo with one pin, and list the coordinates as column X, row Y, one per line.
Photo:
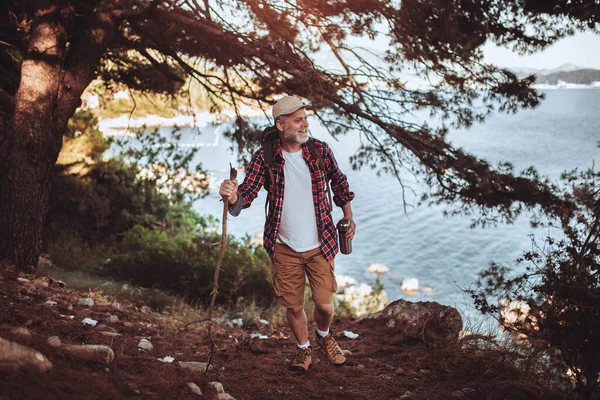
column 335, row 355
column 303, row 360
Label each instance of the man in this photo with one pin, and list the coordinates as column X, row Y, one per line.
column 300, row 236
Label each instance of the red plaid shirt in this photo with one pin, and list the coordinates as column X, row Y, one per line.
column 255, row 179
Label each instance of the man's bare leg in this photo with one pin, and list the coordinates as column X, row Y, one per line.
column 298, row 323
column 325, row 340
column 323, row 316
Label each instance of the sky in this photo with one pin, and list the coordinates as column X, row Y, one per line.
column 582, row 49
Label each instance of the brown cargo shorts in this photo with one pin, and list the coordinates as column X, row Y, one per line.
column 290, row 270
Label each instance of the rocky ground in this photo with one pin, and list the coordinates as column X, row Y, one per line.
column 57, row 344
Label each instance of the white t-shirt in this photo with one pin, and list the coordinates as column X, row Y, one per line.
column 298, row 227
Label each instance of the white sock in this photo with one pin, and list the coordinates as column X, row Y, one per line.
column 304, row 346
column 322, row 333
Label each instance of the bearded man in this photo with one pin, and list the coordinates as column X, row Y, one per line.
column 299, row 236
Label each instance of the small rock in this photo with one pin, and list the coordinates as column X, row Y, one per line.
column 127, row 324
column 347, row 353
column 21, row 332
column 110, row 334
column 89, row 321
column 116, row 305
column 23, row 280
column 458, row 394
column 224, row 396
column 91, row 352
column 145, row 344
column 167, row 359
column 50, row 303
column 360, row 366
column 213, row 389
column 105, row 328
column 14, row 356
column 195, row 366
column 40, row 283
column 87, row 302
column 54, row 341
column 194, row 388
column 113, row 319
column 406, row 395
column 399, row 371
column 145, row 309
column 27, row 289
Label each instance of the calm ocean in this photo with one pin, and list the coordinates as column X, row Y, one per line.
column 443, row 253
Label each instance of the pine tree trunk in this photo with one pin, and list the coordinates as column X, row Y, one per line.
column 53, row 77
column 30, row 144
column 24, row 191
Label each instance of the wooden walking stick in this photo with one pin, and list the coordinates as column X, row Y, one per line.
column 232, row 176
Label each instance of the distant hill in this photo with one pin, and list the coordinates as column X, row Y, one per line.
column 579, row 76
column 523, row 72
column 567, row 73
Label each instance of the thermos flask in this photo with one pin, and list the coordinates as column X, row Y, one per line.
column 345, row 244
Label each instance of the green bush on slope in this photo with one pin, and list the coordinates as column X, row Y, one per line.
column 105, row 219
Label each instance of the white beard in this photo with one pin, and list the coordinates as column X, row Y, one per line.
column 293, row 136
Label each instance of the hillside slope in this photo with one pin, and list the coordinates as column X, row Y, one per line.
column 382, row 364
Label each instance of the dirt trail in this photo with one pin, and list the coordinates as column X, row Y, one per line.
column 382, row 365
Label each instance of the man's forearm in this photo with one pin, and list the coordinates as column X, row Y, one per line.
column 347, row 209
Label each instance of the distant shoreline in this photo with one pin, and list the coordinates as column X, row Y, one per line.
column 595, row 85
column 120, row 125
column 109, row 125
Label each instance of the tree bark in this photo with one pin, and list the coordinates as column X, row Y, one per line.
column 52, row 81
column 31, row 143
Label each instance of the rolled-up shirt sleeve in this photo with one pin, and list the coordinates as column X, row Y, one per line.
column 339, row 183
column 253, row 181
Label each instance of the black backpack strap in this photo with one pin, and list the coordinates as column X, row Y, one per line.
column 268, row 186
column 268, row 136
column 317, row 155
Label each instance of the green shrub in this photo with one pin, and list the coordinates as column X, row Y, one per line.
column 83, row 144
column 105, row 203
column 185, row 264
column 72, row 253
column 108, row 218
